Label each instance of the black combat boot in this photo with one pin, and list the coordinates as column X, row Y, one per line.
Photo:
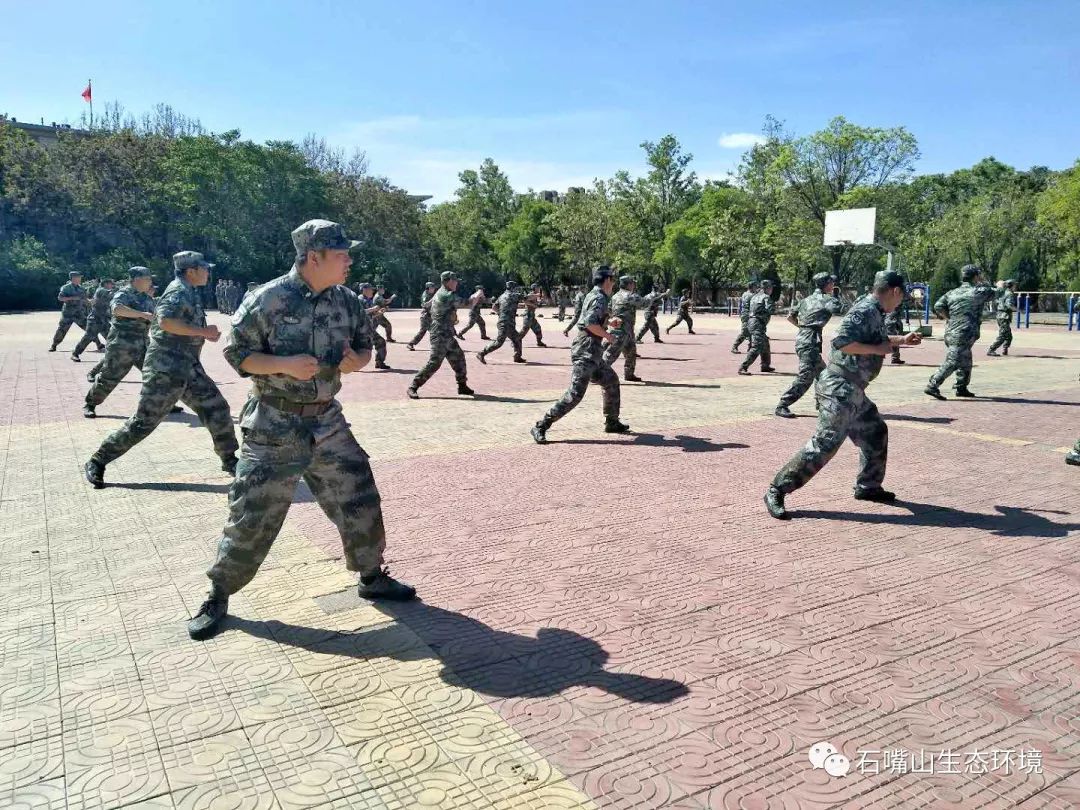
column 212, row 612
column 464, row 390
column 774, row 502
column 412, row 393
column 745, row 372
column 877, row 495
column 539, row 434
column 88, row 411
column 1005, row 350
column 75, row 358
column 965, row 393
column 768, row 368
column 90, row 376
column 896, row 361
column 228, row 464
column 1073, row 458
column 480, row 357
column 616, row 427
column 520, row 360
column 382, row 366
column 52, row 348
column 410, row 347
column 934, row 391
column 95, row 473
column 782, row 410
column 992, row 353
column 381, row 585
column 633, row 378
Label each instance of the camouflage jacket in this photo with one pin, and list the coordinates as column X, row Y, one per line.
column 864, row 323
column 655, row 303
column 507, row 304
column 685, row 303
column 813, row 312
column 594, row 312
column 443, row 314
column 72, row 307
column 476, row 301
column 169, row 353
column 744, row 310
column 379, row 301
column 625, row 304
column 1006, row 306
column 425, row 301
column 762, row 307
column 101, row 310
column 963, row 307
column 285, row 317
column 131, row 328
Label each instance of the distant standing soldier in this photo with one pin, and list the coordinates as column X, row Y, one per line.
column 562, row 297
column 762, row 307
column 858, row 351
column 444, row 346
column 686, row 304
column 587, row 356
column 295, row 336
column 810, row 316
column 372, row 310
column 172, row 371
column 963, row 307
column 744, row 315
column 383, row 303
column 579, row 300
column 651, row 324
column 1006, row 306
column 529, row 321
column 894, row 325
column 476, row 302
column 425, row 314
column 132, row 312
column 506, row 326
column 236, row 295
column 97, row 325
column 624, row 306
column 73, row 299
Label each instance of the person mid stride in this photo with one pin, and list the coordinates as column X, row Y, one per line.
column 1006, row 307
column 762, row 308
column 810, row 316
column 963, row 308
column 443, row 340
column 294, row 337
column 752, row 288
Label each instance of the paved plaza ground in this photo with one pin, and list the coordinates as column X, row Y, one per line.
column 607, row 621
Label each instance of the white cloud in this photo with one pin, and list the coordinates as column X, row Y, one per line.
column 739, row 140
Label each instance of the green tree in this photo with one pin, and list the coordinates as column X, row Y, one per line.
column 529, row 245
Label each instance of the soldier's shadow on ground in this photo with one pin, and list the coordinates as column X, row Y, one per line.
column 171, row 486
column 903, row 417
column 1024, row 401
column 475, row 656
column 661, row 384
column 666, row 359
column 1010, row 521
column 186, row 417
column 394, row 370
column 688, row 444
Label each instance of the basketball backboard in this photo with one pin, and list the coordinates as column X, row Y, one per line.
column 855, row 226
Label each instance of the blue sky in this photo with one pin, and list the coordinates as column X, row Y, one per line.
column 560, row 92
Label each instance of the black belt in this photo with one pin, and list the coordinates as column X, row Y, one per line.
column 297, row 408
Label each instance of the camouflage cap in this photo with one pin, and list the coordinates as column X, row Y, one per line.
column 430, row 284
column 969, row 271
column 821, row 280
column 1010, row 282
column 511, row 285
column 447, row 275
column 108, row 281
column 768, row 282
column 753, row 284
column 321, row 234
column 186, row 259
column 138, row 272
column 600, row 273
column 888, row 279
column 479, row 288
column 536, row 286
column 366, row 285
column 626, row 281
column 74, row 274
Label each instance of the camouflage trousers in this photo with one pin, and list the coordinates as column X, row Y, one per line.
column 505, row 330
column 1004, row 335
column 95, row 331
column 379, row 343
column 120, row 356
column 810, row 365
column 425, row 324
column 650, row 325
column 271, row 464
column 584, row 372
column 159, row 394
column 442, row 348
column 562, row 312
column 744, row 334
column 384, row 322
column 957, row 360
column 683, row 316
column 759, row 347
column 475, row 319
column 65, row 324
column 622, row 342
column 845, row 413
column 531, row 324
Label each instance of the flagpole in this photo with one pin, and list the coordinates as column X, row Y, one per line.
column 90, row 85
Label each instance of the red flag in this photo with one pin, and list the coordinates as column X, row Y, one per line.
column 86, row 94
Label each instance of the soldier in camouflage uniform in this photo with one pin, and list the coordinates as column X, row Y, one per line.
column 72, row 297
column 443, row 308
column 858, row 351
column 372, row 310
column 650, row 323
column 1073, row 456
column 811, row 315
column 587, row 356
column 894, row 325
column 562, row 298
column 1006, row 306
column 579, row 300
column 624, row 306
column 97, row 324
column 506, row 327
column 686, row 304
column 963, row 307
column 172, row 371
column 384, row 303
column 744, row 315
column 762, row 307
column 476, row 302
column 295, row 336
column 132, row 312
column 529, row 320
column 425, row 314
